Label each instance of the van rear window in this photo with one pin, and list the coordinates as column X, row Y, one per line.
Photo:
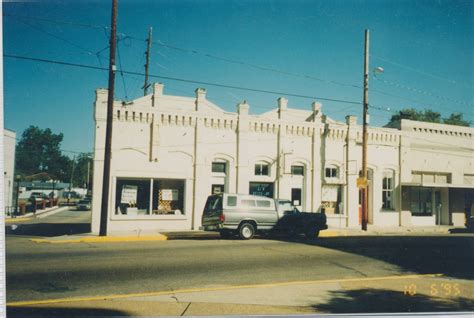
column 231, row 200
column 214, row 203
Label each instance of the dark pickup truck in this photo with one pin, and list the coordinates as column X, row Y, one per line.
column 245, row 214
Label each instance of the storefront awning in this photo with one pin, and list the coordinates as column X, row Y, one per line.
column 437, row 185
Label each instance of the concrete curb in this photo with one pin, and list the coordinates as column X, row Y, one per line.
column 189, row 235
column 102, row 239
column 39, row 214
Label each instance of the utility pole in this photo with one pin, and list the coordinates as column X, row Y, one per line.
column 72, row 175
column 147, row 65
column 88, row 177
column 108, row 132
column 18, row 178
column 364, row 193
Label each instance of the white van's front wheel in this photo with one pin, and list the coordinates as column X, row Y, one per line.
column 246, row 231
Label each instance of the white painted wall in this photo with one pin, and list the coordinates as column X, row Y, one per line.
column 9, row 142
column 173, row 137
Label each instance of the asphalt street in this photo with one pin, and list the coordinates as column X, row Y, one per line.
column 36, row 272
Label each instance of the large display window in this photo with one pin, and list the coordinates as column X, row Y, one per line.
column 134, row 197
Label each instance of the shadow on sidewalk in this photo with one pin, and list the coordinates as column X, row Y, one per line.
column 48, row 229
column 51, row 312
column 449, row 255
column 389, row 301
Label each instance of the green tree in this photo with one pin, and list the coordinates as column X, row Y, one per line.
column 427, row 115
column 82, row 166
column 39, row 151
column 456, row 119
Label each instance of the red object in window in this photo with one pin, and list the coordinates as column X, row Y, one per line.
column 222, row 217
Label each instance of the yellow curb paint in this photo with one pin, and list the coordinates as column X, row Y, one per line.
column 104, row 239
column 331, row 234
column 210, row 289
column 15, row 220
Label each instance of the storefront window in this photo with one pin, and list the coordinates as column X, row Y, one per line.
column 168, row 196
column 132, row 197
column 331, row 199
column 420, row 201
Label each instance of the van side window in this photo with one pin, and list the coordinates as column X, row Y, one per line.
column 248, row 203
column 231, row 200
column 263, row 203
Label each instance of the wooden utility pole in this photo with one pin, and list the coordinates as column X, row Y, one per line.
column 147, row 65
column 364, row 189
column 108, row 132
column 69, row 196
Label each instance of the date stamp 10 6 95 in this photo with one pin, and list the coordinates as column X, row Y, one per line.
column 440, row 290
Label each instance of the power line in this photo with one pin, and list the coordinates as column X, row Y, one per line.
column 419, row 91
column 419, row 71
column 57, row 21
column 185, row 80
column 58, row 38
column 121, row 72
column 264, row 68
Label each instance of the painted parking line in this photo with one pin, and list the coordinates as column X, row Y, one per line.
column 210, row 289
column 103, row 239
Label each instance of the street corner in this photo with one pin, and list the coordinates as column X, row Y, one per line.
column 101, row 239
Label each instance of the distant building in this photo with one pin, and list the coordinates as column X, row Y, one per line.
column 170, row 152
column 9, row 142
column 46, row 187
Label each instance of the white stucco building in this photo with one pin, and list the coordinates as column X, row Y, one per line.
column 170, row 152
column 9, row 142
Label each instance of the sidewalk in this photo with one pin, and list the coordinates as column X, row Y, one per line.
column 345, row 295
column 378, row 230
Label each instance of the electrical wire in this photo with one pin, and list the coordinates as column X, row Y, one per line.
column 184, row 80
column 259, row 67
column 383, row 59
column 121, row 72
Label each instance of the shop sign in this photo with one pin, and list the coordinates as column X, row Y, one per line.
column 361, row 182
column 129, row 194
column 169, row 195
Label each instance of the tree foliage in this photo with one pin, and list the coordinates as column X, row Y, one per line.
column 428, row 115
column 39, row 151
column 82, row 170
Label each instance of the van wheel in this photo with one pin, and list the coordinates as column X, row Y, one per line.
column 246, row 231
column 312, row 233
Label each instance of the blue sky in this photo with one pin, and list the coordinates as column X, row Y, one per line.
column 424, row 47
